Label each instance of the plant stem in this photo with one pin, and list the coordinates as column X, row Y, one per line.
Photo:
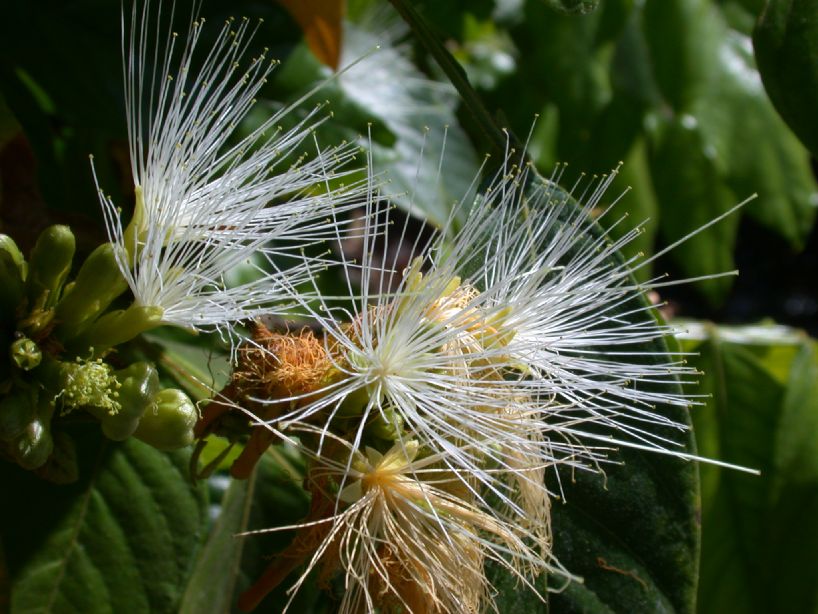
column 500, row 139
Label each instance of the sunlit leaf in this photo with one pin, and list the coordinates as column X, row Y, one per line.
column 631, row 536
column 681, row 35
column 734, row 110
column 213, row 581
column 420, row 114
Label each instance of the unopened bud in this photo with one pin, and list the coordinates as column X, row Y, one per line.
column 33, row 446
column 17, row 410
column 386, row 425
column 50, row 264
column 98, row 283
column 168, row 423
column 25, row 354
column 8, row 245
column 139, row 383
column 118, row 327
column 11, row 285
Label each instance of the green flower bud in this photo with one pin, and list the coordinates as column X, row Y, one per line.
column 168, row 423
column 7, row 244
column 33, row 446
column 11, row 286
column 49, row 265
column 139, row 385
column 117, row 327
column 97, row 284
column 386, row 426
column 17, row 410
column 354, row 404
column 25, row 354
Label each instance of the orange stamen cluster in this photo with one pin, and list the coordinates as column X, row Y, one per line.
column 270, row 366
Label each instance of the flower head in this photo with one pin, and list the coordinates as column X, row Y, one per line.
column 207, row 201
column 405, row 535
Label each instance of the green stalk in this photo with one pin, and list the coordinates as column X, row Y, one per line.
column 498, row 138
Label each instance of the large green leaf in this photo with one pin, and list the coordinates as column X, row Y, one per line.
column 212, row 584
column 681, row 35
column 692, row 193
column 639, row 207
column 786, row 47
column 121, row 539
column 632, row 532
column 571, row 72
column 229, row 563
column 721, row 94
column 573, row 6
column 631, row 535
column 759, row 535
column 420, row 114
column 403, row 117
column 734, row 110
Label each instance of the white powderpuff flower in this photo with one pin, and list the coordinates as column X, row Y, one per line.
column 405, row 537
column 207, row 201
column 514, row 341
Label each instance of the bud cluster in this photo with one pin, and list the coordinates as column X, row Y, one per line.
column 56, row 331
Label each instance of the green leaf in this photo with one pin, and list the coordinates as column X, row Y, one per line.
column 637, row 207
column 196, row 363
column 420, row 114
column 786, row 48
column 690, row 188
column 212, row 585
column 740, row 15
column 571, row 72
column 680, row 35
column 733, row 111
column 759, row 538
column 278, row 500
column 402, row 116
column 630, row 534
column 121, row 539
column 573, row 6
column 593, row 69
column 511, row 595
column 487, row 53
column 229, row 563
